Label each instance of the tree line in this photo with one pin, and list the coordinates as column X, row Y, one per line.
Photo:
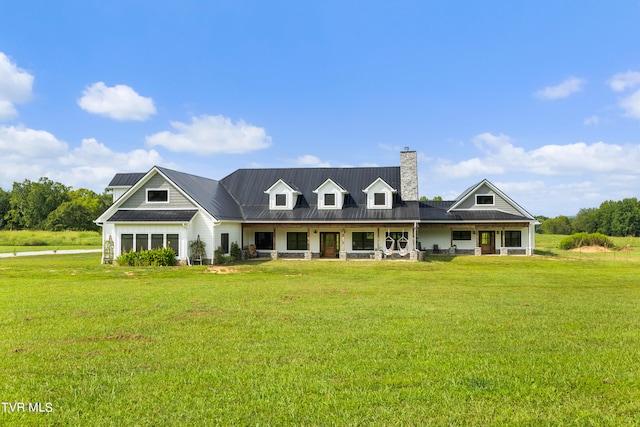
column 612, row 218
column 49, row 205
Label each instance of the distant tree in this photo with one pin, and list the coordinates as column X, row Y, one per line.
column 606, row 211
column 557, row 225
column 541, row 219
column 79, row 212
column 435, row 199
column 585, row 221
column 626, row 218
column 5, row 206
column 31, row 202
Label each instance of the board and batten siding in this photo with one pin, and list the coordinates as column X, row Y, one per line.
column 500, row 203
column 138, row 200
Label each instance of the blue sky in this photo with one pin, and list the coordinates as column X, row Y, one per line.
column 542, row 98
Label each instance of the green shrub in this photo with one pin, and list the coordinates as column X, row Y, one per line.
column 235, row 251
column 220, row 258
column 156, row 257
column 578, row 240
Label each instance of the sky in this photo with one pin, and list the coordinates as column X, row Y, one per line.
column 542, row 98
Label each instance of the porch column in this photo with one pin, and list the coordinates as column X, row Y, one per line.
column 274, row 240
column 307, row 254
column 343, row 252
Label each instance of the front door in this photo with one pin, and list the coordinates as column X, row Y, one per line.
column 329, row 244
column 488, row 242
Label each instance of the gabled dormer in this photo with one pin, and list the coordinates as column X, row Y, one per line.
column 330, row 195
column 282, row 196
column 379, row 195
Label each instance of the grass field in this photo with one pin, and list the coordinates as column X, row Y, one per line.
column 545, row 340
column 27, row 241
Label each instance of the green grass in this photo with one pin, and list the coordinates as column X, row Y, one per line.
column 27, row 241
column 451, row 341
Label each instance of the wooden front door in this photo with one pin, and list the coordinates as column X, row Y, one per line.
column 329, row 244
column 488, row 242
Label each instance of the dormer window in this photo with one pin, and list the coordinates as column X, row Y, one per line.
column 380, row 195
column 330, row 195
column 157, row 196
column 485, row 199
column 282, row 196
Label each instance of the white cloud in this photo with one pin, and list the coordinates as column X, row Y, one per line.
column 310, row 161
column 592, row 121
column 31, row 154
column 211, row 135
column 119, row 102
column 631, row 105
column 15, row 87
column 563, row 90
column 502, row 156
column 622, row 81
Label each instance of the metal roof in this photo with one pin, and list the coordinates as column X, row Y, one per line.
column 208, row 193
column 126, row 179
column 152, row 215
column 241, row 196
column 438, row 212
column 248, row 185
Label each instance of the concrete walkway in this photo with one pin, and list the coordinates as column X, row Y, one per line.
column 58, row 252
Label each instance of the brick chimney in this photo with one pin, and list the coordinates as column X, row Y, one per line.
column 409, row 175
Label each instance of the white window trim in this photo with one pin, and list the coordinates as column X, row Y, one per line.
column 493, row 197
column 157, row 189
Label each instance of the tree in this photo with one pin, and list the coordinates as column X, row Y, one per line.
column 585, row 221
column 31, row 202
column 5, row 206
column 79, row 212
column 557, row 225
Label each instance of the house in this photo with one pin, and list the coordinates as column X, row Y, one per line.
column 345, row 213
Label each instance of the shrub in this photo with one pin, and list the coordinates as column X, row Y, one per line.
column 578, row 240
column 220, row 258
column 235, row 251
column 35, row 242
column 156, row 257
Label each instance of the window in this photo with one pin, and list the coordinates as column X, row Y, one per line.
column 157, row 196
column 126, row 243
column 224, row 242
column 281, row 200
column 396, row 235
column 329, row 199
column 264, row 240
column 461, row 235
column 157, row 241
column 362, row 241
column 297, row 241
column 513, row 239
column 173, row 243
column 142, row 242
column 379, row 199
column 484, row 199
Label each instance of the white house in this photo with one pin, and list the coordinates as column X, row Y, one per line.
column 344, row 213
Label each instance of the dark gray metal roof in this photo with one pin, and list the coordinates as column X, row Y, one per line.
column 152, row 215
column 208, row 193
column 438, row 212
column 248, row 188
column 126, row 179
column 241, row 196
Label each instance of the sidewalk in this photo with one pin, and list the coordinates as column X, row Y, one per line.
column 58, row 252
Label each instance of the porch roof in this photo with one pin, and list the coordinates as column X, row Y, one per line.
column 149, row 215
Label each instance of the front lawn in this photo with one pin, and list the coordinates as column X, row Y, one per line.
column 451, row 341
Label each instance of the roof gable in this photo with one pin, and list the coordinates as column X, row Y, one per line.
column 469, row 200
